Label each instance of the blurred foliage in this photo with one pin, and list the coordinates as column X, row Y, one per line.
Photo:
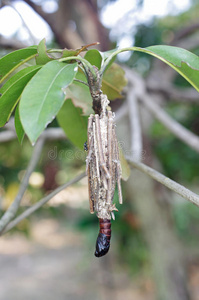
column 14, row 158
column 187, row 218
column 179, row 161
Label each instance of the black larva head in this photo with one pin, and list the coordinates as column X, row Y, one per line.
column 102, row 245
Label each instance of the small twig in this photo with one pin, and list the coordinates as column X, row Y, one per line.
column 48, row 134
column 102, row 161
column 87, row 66
column 172, row 185
column 11, row 211
column 23, row 22
column 81, row 81
column 6, row 136
column 11, row 43
column 40, row 203
column 53, row 134
column 168, row 91
column 135, row 126
column 172, row 125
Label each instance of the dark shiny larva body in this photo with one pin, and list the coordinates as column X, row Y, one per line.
column 103, row 239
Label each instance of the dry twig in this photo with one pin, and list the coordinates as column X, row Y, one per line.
column 40, row 203
column 11, row 211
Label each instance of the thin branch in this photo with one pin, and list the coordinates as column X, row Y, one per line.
column 23, row 22
column 48, row 134
column 13, row 43
column 6, row 136
column 172, row 185
column 54, row 134
column 135, row 126
column 189, row 138
column 81, row 81
column 11, row 211
column 40, row 203
column 172, row 125
column 184, row 32
column 183, row 95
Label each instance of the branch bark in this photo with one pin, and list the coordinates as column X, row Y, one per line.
column 85, row 18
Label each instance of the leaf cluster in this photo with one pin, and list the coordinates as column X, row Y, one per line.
column 37, row 82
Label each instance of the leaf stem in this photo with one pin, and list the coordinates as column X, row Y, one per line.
column 87, row 66
column 106, row 63
column 81, row 81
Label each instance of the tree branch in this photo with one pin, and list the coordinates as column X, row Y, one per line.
column 48, row 134
column 40, row 203
column 172, row 185
column 11, row 211
column 54, row 134
column 184, row 32
column 189, row 138
column 13, row 43
column 135, row 126
column 23, row 22
column 6, row 136
column 183, row 95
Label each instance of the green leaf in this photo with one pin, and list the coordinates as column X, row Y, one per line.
column 183, row 61
column 80, row 94
column 13, row 60
column 12, row 90
column 42, row 57
column 94, row 57
column 43, row 97
column 113, row 82
column 73, row 123
column 18, row 126
column 126, row 171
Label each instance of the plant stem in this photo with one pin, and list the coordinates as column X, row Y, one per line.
column 81, row 81
column 105, row 65
column 88, row 67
